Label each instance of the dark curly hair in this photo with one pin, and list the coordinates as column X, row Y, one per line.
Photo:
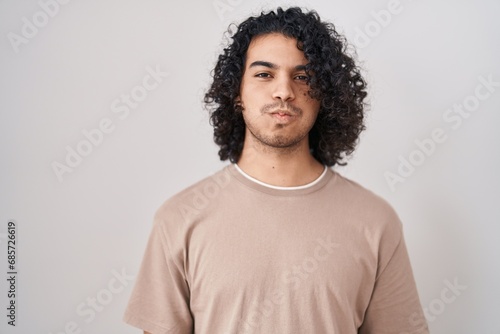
column 334, row 79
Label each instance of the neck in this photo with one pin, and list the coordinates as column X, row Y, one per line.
column 283, row 167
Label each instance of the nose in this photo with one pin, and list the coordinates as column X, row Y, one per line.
column 283, row 89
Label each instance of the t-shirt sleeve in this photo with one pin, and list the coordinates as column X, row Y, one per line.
column 395, row 306
column 159, row 302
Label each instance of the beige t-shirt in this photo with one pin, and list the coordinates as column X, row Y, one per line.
column 232, row 255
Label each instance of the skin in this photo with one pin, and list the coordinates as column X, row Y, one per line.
column 276, row 146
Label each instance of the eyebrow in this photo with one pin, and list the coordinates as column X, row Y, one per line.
column 274, row 66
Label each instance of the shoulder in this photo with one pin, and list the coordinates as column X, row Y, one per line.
column 359, row 194
column 194, row 198
column 370, row 207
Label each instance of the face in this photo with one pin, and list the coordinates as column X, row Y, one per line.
column 277, row 108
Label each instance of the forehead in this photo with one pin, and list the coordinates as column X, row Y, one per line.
column 276, row 48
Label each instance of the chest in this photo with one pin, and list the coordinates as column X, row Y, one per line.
column 279, row 260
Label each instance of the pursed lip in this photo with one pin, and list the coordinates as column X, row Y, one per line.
column 282, row 112
column 283, row 116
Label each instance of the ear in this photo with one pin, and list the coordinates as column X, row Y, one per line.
column 237, row 102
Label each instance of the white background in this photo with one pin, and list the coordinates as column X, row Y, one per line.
column 76, row 233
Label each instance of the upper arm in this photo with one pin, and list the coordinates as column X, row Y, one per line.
column 159, row 302
column 395, row 306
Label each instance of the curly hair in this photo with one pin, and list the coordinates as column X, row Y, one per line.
column 334, row 79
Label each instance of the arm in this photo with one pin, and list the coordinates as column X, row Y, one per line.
column 395, row 306
column 159, row 302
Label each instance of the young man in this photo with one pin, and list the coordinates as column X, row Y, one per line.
column 277, row 242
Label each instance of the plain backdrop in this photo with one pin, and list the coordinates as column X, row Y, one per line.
column 66, row 69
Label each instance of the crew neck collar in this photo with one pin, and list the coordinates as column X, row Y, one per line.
column 255, row 184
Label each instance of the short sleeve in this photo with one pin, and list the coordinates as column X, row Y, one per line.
column 395, row 306
column 159, row 302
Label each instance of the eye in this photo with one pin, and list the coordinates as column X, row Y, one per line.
column 263, row 75
column 304, row 78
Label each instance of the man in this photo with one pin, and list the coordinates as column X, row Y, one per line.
column 277, row 242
